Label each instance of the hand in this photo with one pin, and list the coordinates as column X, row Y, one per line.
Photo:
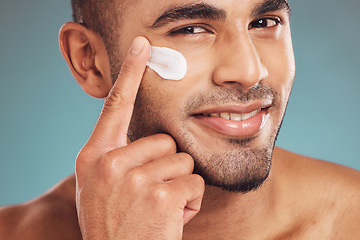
column 130, row 191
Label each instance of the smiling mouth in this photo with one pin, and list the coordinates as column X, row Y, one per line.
column 234, row 121
column 233, row 113
column 233, row 116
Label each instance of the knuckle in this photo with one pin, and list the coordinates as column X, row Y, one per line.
column 107, row 167
column 166, row 141
column 137, row 177
column 116, row 98
column 161, row 194
column 187, row 159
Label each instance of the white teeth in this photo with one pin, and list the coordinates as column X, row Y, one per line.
column 248, row 115
column 225, row 116
column 235, row 116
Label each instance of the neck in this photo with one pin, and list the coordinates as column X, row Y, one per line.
column 228, row 213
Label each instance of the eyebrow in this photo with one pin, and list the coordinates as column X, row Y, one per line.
column 271, row 6
column 189, row 11
column 206, row 11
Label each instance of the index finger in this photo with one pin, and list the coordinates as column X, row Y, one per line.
column 111, row 130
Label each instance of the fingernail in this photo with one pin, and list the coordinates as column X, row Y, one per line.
column 137, row 46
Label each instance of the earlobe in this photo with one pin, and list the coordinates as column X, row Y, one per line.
column 86, row 55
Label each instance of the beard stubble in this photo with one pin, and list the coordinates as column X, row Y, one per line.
column 243, row 168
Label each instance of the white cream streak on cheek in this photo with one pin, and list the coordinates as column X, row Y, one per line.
column 168, row 63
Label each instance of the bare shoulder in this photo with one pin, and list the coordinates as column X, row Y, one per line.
column 323, row 172
column 50, row 216
column 329, row 191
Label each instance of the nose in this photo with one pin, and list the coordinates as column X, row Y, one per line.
column 239, row 62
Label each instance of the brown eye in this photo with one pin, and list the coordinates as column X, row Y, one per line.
column 189, row 30
column 264, row 23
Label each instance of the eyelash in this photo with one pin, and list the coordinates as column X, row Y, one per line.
column 259, row 22
column 189, row 29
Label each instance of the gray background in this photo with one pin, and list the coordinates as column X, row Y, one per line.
column 46, row 118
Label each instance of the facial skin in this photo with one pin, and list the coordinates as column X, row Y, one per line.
column 235, row 65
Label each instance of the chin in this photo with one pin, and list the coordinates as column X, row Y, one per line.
column 233, row 164
column 242, row 169
column 238, row 171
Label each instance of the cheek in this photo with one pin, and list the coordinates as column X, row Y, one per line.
column 156, row 106
column 279, row 60
column 198, row 52
column 146, row 118
column 160, row 104
column 197, row 78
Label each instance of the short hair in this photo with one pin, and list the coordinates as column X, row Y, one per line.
column 102, row 17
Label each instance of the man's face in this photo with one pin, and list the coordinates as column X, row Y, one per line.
column 240, row 67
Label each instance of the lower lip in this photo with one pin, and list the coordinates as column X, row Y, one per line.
column 244, row 128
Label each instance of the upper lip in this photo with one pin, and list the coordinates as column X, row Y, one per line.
column 235, row 108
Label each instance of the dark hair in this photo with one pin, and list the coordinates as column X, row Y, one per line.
column 102, row 17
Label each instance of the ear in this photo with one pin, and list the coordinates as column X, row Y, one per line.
column 86, row 55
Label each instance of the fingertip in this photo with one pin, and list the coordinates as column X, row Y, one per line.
column 135, row 60
column 138, row 45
